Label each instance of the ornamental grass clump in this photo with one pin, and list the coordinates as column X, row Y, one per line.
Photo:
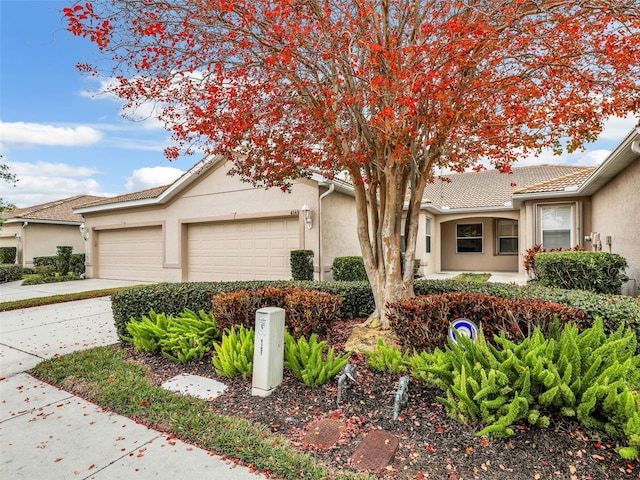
column 591, row 375
column 311, row 361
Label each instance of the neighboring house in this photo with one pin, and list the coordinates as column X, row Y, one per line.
column 486, row 221
column 37, row 231
column 210, row 226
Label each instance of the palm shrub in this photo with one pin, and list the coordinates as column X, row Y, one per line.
column 311, row 361
column 234, row 355
column 588, row 374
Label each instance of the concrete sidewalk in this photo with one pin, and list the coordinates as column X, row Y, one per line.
column 47, row 433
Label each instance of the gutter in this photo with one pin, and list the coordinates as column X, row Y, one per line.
column 332, row 188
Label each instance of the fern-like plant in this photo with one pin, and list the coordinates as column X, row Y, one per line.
column 185, row 337
column 147, row 333
column 387, row 359
column 311, row 361
column 234, row 355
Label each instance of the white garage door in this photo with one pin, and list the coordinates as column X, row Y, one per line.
column 130, row 254
column 247, row 250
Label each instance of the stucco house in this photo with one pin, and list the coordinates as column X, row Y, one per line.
column 210, row 226
column 485, row 221
column 38, row 230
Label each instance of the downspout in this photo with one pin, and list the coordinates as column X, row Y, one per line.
column 332, row 187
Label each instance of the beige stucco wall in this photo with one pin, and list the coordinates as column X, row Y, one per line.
column 473, row 262
column 339, row 232
column 615, row 213
column 42, row 239
column 217, row 196
column 582, row 222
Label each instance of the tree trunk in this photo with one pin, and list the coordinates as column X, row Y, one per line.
column 380, row 209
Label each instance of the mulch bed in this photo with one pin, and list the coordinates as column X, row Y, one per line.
column 431, row 444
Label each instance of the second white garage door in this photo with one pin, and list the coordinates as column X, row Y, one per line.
column 247, row 250
column 130, row 254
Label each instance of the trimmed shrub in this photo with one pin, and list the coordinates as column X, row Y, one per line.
column 349, row 269
column 530, row 265
column 599, row 272
column 63, row 259
column 422, row 323
column 49, row 262
column 77, row 263
column 302, row 264
column 307, row 311
column 173, row 298
column 10, row 272
column 8, row 255
column 613, row 309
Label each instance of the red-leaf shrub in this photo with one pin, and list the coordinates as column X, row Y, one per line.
column 423, row 322
column 307, row 311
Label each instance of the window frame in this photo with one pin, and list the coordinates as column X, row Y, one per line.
column 498, row 245
column 571, row 224
column 427, row 235
column 481, row 238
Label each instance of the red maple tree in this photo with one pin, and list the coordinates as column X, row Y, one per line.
column 384, row 90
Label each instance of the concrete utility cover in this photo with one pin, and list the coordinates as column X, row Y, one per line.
column 325, row 433
column 375, row 452
column 196, row 386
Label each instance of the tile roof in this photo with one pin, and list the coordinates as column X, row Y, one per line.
column 130, row 197
column 56, row 211
column 490, row 188
column 568, row 182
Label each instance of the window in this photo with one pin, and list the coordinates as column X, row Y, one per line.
column 469, row 238
column 403, row 242
column 556, row 224
column 507, row 237
column 428, row 235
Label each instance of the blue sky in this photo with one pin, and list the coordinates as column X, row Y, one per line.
column 61, row 139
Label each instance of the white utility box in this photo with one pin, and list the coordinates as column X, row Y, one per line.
column 268, row 351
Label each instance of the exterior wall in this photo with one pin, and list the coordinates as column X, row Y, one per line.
column 214, row 197
column 615, row 214
column 488, row 260
column 41, row 239
column 427, row 260
column 529, row 234
column 339, row 231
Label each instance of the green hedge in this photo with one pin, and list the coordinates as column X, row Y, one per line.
column 357, row 298
column 599, row 272
column 302, row 264
column 75, row 261
column 8, row 255
column 349, row 269
column 174, row 298
column 613, row 309
column 10, row 272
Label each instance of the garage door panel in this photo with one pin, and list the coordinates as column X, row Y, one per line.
column 130, row 254
column 250, row 250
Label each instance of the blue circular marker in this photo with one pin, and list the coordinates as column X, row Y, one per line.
column 463, row 326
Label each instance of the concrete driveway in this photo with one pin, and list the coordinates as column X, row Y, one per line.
column 47, row 433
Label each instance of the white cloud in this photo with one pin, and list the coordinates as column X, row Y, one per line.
column 42, row 134
column 617, row 128
column 48, row 169
column 149, row 177
column 40, row 182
